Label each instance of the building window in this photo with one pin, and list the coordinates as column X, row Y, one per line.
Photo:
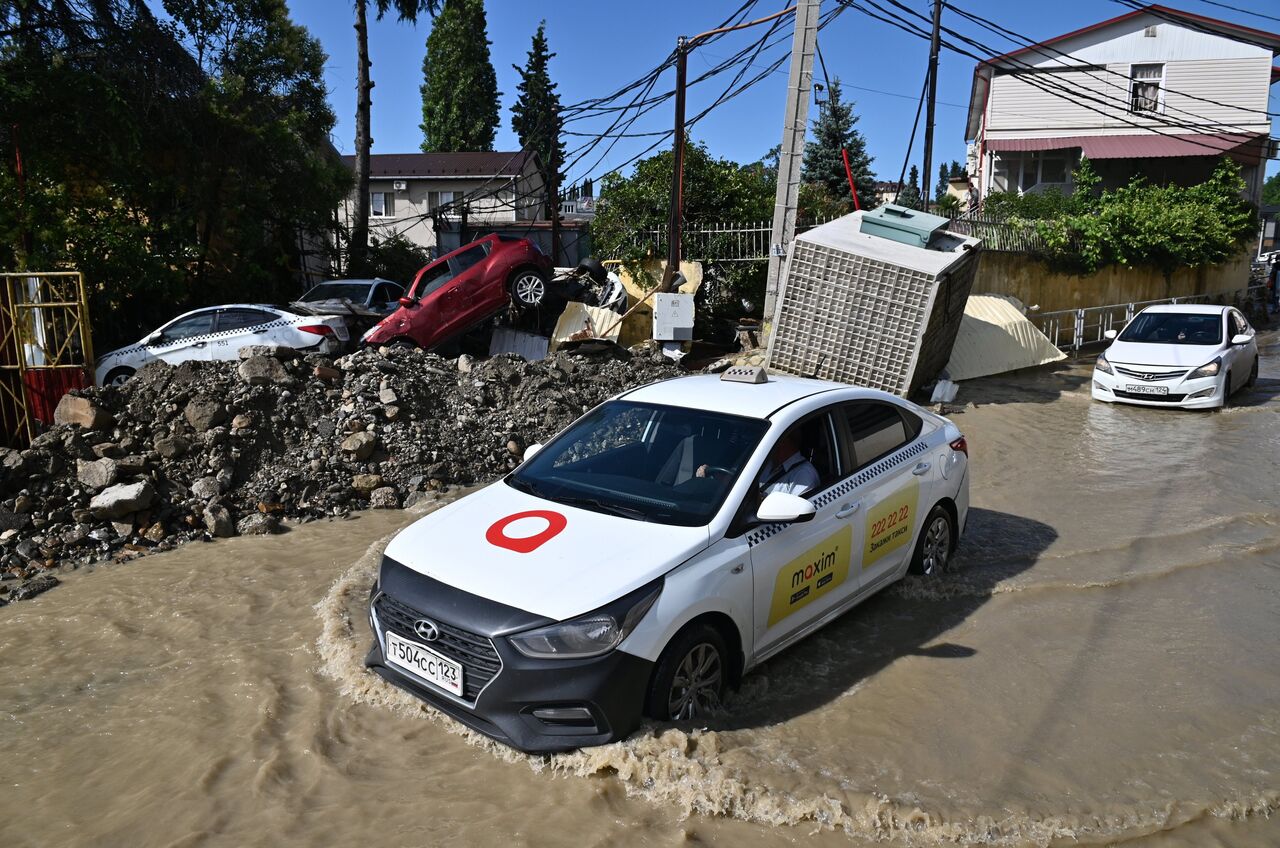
column 1146, row 88
column 436, row 199
column 382, row 204
column 1030, row 171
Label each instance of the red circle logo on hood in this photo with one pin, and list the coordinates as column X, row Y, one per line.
column 497, row 535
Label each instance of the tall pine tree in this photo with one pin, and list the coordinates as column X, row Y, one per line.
column 535, row 116
column 833, row 132
column 459, row 89
column 910, row 194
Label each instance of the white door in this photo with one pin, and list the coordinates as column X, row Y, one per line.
column 805, row 569
column 894, row 472
column 185, row 339
column 239, row 327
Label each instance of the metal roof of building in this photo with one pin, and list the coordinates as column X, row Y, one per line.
column 470, row 164
column 1139, row 145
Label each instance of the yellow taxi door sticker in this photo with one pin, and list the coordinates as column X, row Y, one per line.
column 889, row 523
column 811, row 575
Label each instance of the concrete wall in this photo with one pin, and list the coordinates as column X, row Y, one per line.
column 1034, row 283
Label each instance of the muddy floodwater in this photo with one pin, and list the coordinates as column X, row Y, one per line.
column 1103, row 669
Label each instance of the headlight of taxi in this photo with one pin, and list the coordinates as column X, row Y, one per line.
column 589, row 635
column 1209, row 369
column 1103, row 365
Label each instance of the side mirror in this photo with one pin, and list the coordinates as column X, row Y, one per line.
column 154, row 339
column 406, row 301
column 531, row 450
column 1241, row 339
column 1110, row 335
column 780, row 506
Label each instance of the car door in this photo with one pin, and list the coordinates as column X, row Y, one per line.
column 466, row 302
column 1239, row 358
column 185, row 339
column 239, row 327
column 893, row 480
column 803, row 570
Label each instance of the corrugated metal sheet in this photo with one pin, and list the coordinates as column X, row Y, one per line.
column 996, row 337
column 1134, row 146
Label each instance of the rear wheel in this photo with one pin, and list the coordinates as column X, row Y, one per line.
column 118, row 376
column 932, row 555
column 528, row 288
column 689, row 680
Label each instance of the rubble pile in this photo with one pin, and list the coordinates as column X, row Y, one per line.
column 213, row 449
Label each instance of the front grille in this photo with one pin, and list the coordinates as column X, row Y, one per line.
column 1156, row 398
column 1150, row 374
column 480, row 661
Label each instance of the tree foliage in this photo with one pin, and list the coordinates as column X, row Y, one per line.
column 909, row 196
column 459, row 89
column 1271, row 190
column 535, row 116
column 833, row 133
column 1166, row 227
column 175, row 163
column 715, row 191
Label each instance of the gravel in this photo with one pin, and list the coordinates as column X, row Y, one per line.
column 213, row 449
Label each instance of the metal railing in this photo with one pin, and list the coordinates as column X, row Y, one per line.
column 1008, row 235
column 722, row 242
column 1072, row 329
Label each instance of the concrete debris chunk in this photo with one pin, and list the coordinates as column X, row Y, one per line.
column 73, row 409
column 121, row 499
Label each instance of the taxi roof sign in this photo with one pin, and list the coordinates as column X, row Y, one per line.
column 745, row 374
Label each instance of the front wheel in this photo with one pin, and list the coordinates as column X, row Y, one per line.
column 689, row 680
column 118, row 376
column 528, row 288
column 1253, row 375
column 933, row 550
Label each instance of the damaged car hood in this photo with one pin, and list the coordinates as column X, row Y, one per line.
column 539, row 556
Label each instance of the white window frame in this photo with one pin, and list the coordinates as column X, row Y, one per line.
column 383, row 199
column 1135, row 81
column 1018, row 164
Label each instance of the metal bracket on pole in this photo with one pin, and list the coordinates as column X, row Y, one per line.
column 794, row 124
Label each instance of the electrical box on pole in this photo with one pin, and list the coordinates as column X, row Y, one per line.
column 794, row 124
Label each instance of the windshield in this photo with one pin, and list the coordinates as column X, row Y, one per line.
column 1191, row 328
column 337, row 291
column 645, row 462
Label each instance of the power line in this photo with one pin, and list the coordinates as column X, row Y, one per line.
column 1242, row 11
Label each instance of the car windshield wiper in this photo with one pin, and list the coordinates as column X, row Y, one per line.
column 603, row 506
column 526, row 487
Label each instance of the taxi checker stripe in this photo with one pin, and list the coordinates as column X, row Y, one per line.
column 267, row 325
column 764, row 532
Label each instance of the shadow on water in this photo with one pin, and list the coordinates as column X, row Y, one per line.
column 1039, row 384
column 904, row 620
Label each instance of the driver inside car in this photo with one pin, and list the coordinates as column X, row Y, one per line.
column 786, row 469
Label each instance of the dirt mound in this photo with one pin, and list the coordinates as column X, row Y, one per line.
column 208, row 449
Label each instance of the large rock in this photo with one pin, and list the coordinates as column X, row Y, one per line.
column 384, row 498
column 206, row 488
column 13, row 520
column 360, row 445
column 366, row 483
column 263, row 371
column 172, row 447
column 277, row 351
column 258, row 524
column 33, row 587
column 205, row 414
column 217, row 520
column 98, row 474
column 121, row 499
column 82, row 411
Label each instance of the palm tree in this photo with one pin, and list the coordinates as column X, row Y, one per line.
column 406, row 10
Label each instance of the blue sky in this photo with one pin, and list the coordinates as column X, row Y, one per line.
column 604, row 44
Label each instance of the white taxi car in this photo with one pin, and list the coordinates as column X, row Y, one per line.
column 1192, row 356
column 658, row 548
column 218, row 332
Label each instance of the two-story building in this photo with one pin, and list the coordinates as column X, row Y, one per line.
column 1158, row 92
column 410, row 193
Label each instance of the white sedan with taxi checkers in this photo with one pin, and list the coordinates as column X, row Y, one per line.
column 659, row 548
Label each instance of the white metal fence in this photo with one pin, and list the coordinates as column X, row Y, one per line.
column 1072, row 329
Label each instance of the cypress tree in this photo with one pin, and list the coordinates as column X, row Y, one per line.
column 459, row 89
column 833, row 132
column 910, row 194
column 535, row 116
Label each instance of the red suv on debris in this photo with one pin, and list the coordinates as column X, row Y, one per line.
column 463, row 288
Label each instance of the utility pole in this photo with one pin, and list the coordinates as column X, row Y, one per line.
column 677, row 176
column 794, row 123
column 927, row 176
